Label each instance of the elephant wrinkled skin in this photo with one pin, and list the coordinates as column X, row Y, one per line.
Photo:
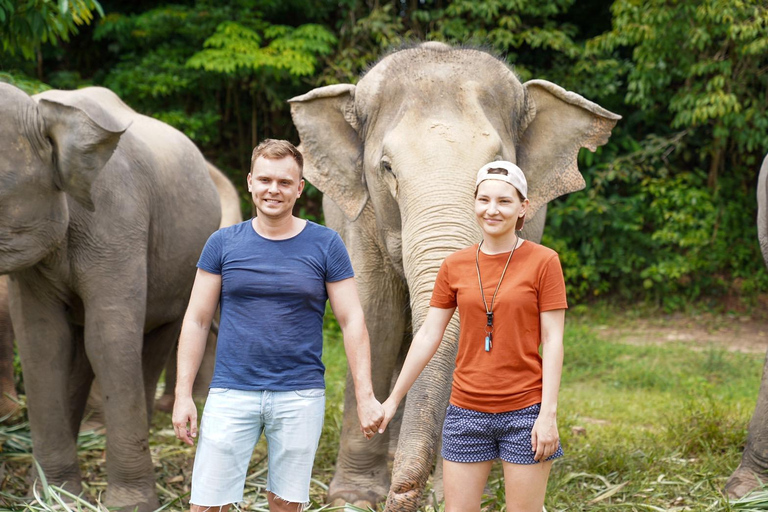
column 754, row 461
column 230, row 215
column 8, row 405
column 396, row 157
column 103, row 214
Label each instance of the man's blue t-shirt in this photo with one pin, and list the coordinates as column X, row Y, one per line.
column 272, row 303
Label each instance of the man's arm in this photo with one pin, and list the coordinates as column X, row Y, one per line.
column 194, row 334
column 349, row 313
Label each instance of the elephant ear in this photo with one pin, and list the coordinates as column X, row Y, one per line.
column 330, row 142
column 557, row 124
column 82, row 146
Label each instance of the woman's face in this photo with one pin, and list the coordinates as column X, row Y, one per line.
column 497, row 207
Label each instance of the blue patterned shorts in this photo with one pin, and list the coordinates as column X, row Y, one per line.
column 473, row 436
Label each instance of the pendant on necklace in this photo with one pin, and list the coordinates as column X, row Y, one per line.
column 488, row 342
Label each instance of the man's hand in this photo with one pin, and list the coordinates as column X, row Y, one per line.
column 185, row 419
column 371, row 414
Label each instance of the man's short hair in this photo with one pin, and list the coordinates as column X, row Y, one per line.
column 274, row 149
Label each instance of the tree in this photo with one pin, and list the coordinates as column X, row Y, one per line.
column 25, row 25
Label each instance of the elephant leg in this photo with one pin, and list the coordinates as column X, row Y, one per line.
column 113, row 339
column 166, row 400
column 155, row 356
column 204, row 373
column 80, row 380
column 754, row 460
column 48, row 358
column 8, row 397
column 93, row 416
column 362, row 476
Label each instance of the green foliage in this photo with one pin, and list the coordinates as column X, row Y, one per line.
column 27, row 24
column 23, row 82
column 668, row 213
column 703, row 60
column 236, row 48
column 669, row 216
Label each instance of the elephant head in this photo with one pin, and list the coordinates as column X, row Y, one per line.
column 403, row 147
column 50, row 149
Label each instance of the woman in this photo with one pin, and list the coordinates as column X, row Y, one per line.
column 511, row 298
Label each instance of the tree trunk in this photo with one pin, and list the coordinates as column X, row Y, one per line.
column 254, row 120
column 39, row 63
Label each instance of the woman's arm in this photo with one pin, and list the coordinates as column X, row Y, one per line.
column 545, row 437
column 423, row 347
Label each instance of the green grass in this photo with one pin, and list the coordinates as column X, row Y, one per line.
column 644, row 427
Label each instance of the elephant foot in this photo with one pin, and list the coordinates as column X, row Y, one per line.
column 363, row 504
column 165, row 403
column 741, row 482
column 368, row 488
column 133, row 499
column 359, row 497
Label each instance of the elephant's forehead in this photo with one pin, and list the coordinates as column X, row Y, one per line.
column 450, row 124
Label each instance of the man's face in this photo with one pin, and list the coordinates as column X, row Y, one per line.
column 275, row 185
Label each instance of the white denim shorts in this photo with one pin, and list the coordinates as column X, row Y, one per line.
column 232, row 423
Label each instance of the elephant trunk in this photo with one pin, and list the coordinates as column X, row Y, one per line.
column 427, row 240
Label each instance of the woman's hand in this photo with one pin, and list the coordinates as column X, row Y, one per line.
column 545, row 438
column 390, row 408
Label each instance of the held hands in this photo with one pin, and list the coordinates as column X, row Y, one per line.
column 390, row 408
column 544, row 437
column 371, row 414
column 185, row 419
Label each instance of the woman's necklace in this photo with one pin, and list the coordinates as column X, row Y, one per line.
column 489, row 311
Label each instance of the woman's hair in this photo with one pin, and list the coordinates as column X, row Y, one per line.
column 505, row 173
column 274, row 149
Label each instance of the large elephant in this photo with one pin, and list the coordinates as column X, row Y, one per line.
column 754, row 461
column 230, row 215
column 396, row 157
column 103, row 214
column 8, row 403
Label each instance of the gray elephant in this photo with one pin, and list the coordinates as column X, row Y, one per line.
column 230, row 215
column 754, row 461
column 103, row 213
column 396, row 157
column 8, row 403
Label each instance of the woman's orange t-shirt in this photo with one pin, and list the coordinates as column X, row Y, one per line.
column 508, row 377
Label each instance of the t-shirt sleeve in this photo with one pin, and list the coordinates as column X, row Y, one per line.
column 338, row 266
column 211, row 257
column 442, row 295
column 552, row 286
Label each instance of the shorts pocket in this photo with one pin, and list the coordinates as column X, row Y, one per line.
column 310, row 393
column 217, row 391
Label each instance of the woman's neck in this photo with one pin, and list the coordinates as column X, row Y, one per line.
column 498, row 245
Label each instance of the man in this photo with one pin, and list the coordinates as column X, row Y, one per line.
column 272, row 275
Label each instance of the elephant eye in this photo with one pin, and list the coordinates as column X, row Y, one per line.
column 386, row 166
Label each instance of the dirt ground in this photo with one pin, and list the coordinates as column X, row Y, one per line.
column 739, row 333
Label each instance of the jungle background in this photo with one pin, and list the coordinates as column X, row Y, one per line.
column 665, row 226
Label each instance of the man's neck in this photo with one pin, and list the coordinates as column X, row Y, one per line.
column 278, row 229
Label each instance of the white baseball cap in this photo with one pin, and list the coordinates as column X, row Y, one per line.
column 514, row 177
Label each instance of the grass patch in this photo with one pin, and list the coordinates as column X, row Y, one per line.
column 644, row 427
